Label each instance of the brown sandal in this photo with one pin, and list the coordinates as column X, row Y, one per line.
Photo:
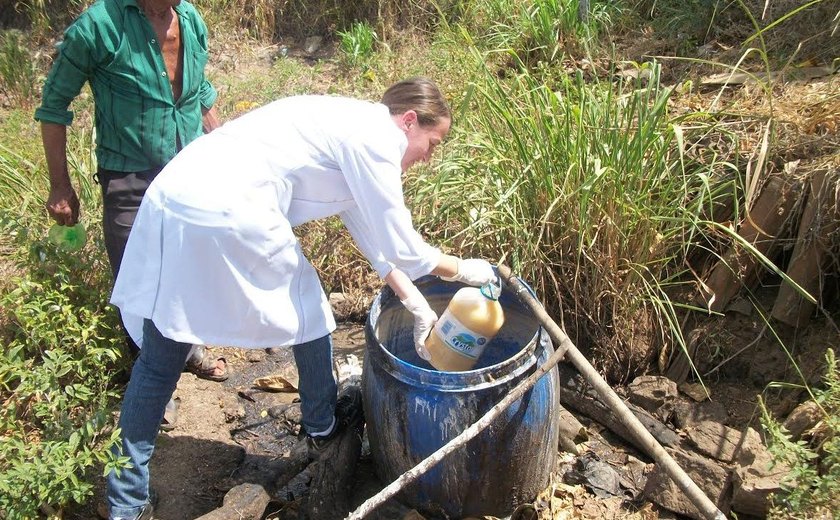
column 205, row 366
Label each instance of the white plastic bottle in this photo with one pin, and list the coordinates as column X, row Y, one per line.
column 470, row 321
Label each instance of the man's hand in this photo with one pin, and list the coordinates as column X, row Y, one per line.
column 63, row 205
column 210, row 119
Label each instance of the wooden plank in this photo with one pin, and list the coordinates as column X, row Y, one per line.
column 739, row 268
column 819, row 222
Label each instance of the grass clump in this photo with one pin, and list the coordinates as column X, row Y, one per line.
column 540, row 30
column 18, row 69
column 357, row 43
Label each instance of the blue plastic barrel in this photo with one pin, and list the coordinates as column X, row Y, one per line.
column 411, row 410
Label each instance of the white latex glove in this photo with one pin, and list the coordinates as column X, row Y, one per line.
column 473, row 271
column 424, row 320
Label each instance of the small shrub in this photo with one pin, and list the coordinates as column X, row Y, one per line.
column 61, row 347
column 357, row 43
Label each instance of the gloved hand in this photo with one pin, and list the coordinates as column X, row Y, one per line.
column 424, row 320
column 473, row 271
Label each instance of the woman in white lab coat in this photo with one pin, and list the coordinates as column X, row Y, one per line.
column 212, row 258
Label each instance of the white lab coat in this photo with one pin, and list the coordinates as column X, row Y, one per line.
column 212, row 258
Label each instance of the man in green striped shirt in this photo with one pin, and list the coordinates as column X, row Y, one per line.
column 144, row 61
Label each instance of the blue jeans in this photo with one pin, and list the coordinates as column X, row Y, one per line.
column 316, row 385
column 153, row 380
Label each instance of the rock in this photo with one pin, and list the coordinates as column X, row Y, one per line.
column 695, row 391
column 254, row 355
column 714, row 439
column 337, row 298
column 651, row 392
column 687, row 414
column 713, row 480
column 312, row 44
column 802, row 418
column 751, row 491
column 752, row 450
column 754, row 480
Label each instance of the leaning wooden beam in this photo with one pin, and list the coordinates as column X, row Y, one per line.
column 246, row 501
column 739, row 267
column 704, row 505
column 598, row 412
column 818, row 224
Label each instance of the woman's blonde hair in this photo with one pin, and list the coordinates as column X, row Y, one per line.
column 421, row 95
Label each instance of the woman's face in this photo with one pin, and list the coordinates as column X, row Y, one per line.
column 422, row 140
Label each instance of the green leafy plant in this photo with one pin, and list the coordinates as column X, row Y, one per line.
column 812, row 487
column 61, row 346
column 542, row 30
column 357, row 43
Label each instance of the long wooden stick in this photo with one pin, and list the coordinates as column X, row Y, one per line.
column 706, row 507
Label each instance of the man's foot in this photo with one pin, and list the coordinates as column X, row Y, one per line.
column 348, row 414
column 206, row 366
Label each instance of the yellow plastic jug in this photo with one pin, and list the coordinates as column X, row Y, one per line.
column 472, row 318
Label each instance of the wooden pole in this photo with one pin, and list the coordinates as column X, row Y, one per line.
column 818, row 224
column 706, row 507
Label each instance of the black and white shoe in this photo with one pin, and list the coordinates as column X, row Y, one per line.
column 348, row 414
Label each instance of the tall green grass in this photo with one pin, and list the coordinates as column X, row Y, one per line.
column 18, row 68
column 587, row 190
column 540, row 30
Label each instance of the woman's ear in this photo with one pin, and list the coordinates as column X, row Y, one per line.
column 409, row 119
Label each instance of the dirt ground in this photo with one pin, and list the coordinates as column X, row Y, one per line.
column 195, row 464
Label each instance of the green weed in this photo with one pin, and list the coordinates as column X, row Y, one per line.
column 61, row 349
column 812, row 487
column 357, row 43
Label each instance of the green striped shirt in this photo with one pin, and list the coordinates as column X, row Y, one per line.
column 138, row 123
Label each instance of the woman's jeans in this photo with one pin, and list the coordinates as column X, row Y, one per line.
column 316, row 385
column 153, row 380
